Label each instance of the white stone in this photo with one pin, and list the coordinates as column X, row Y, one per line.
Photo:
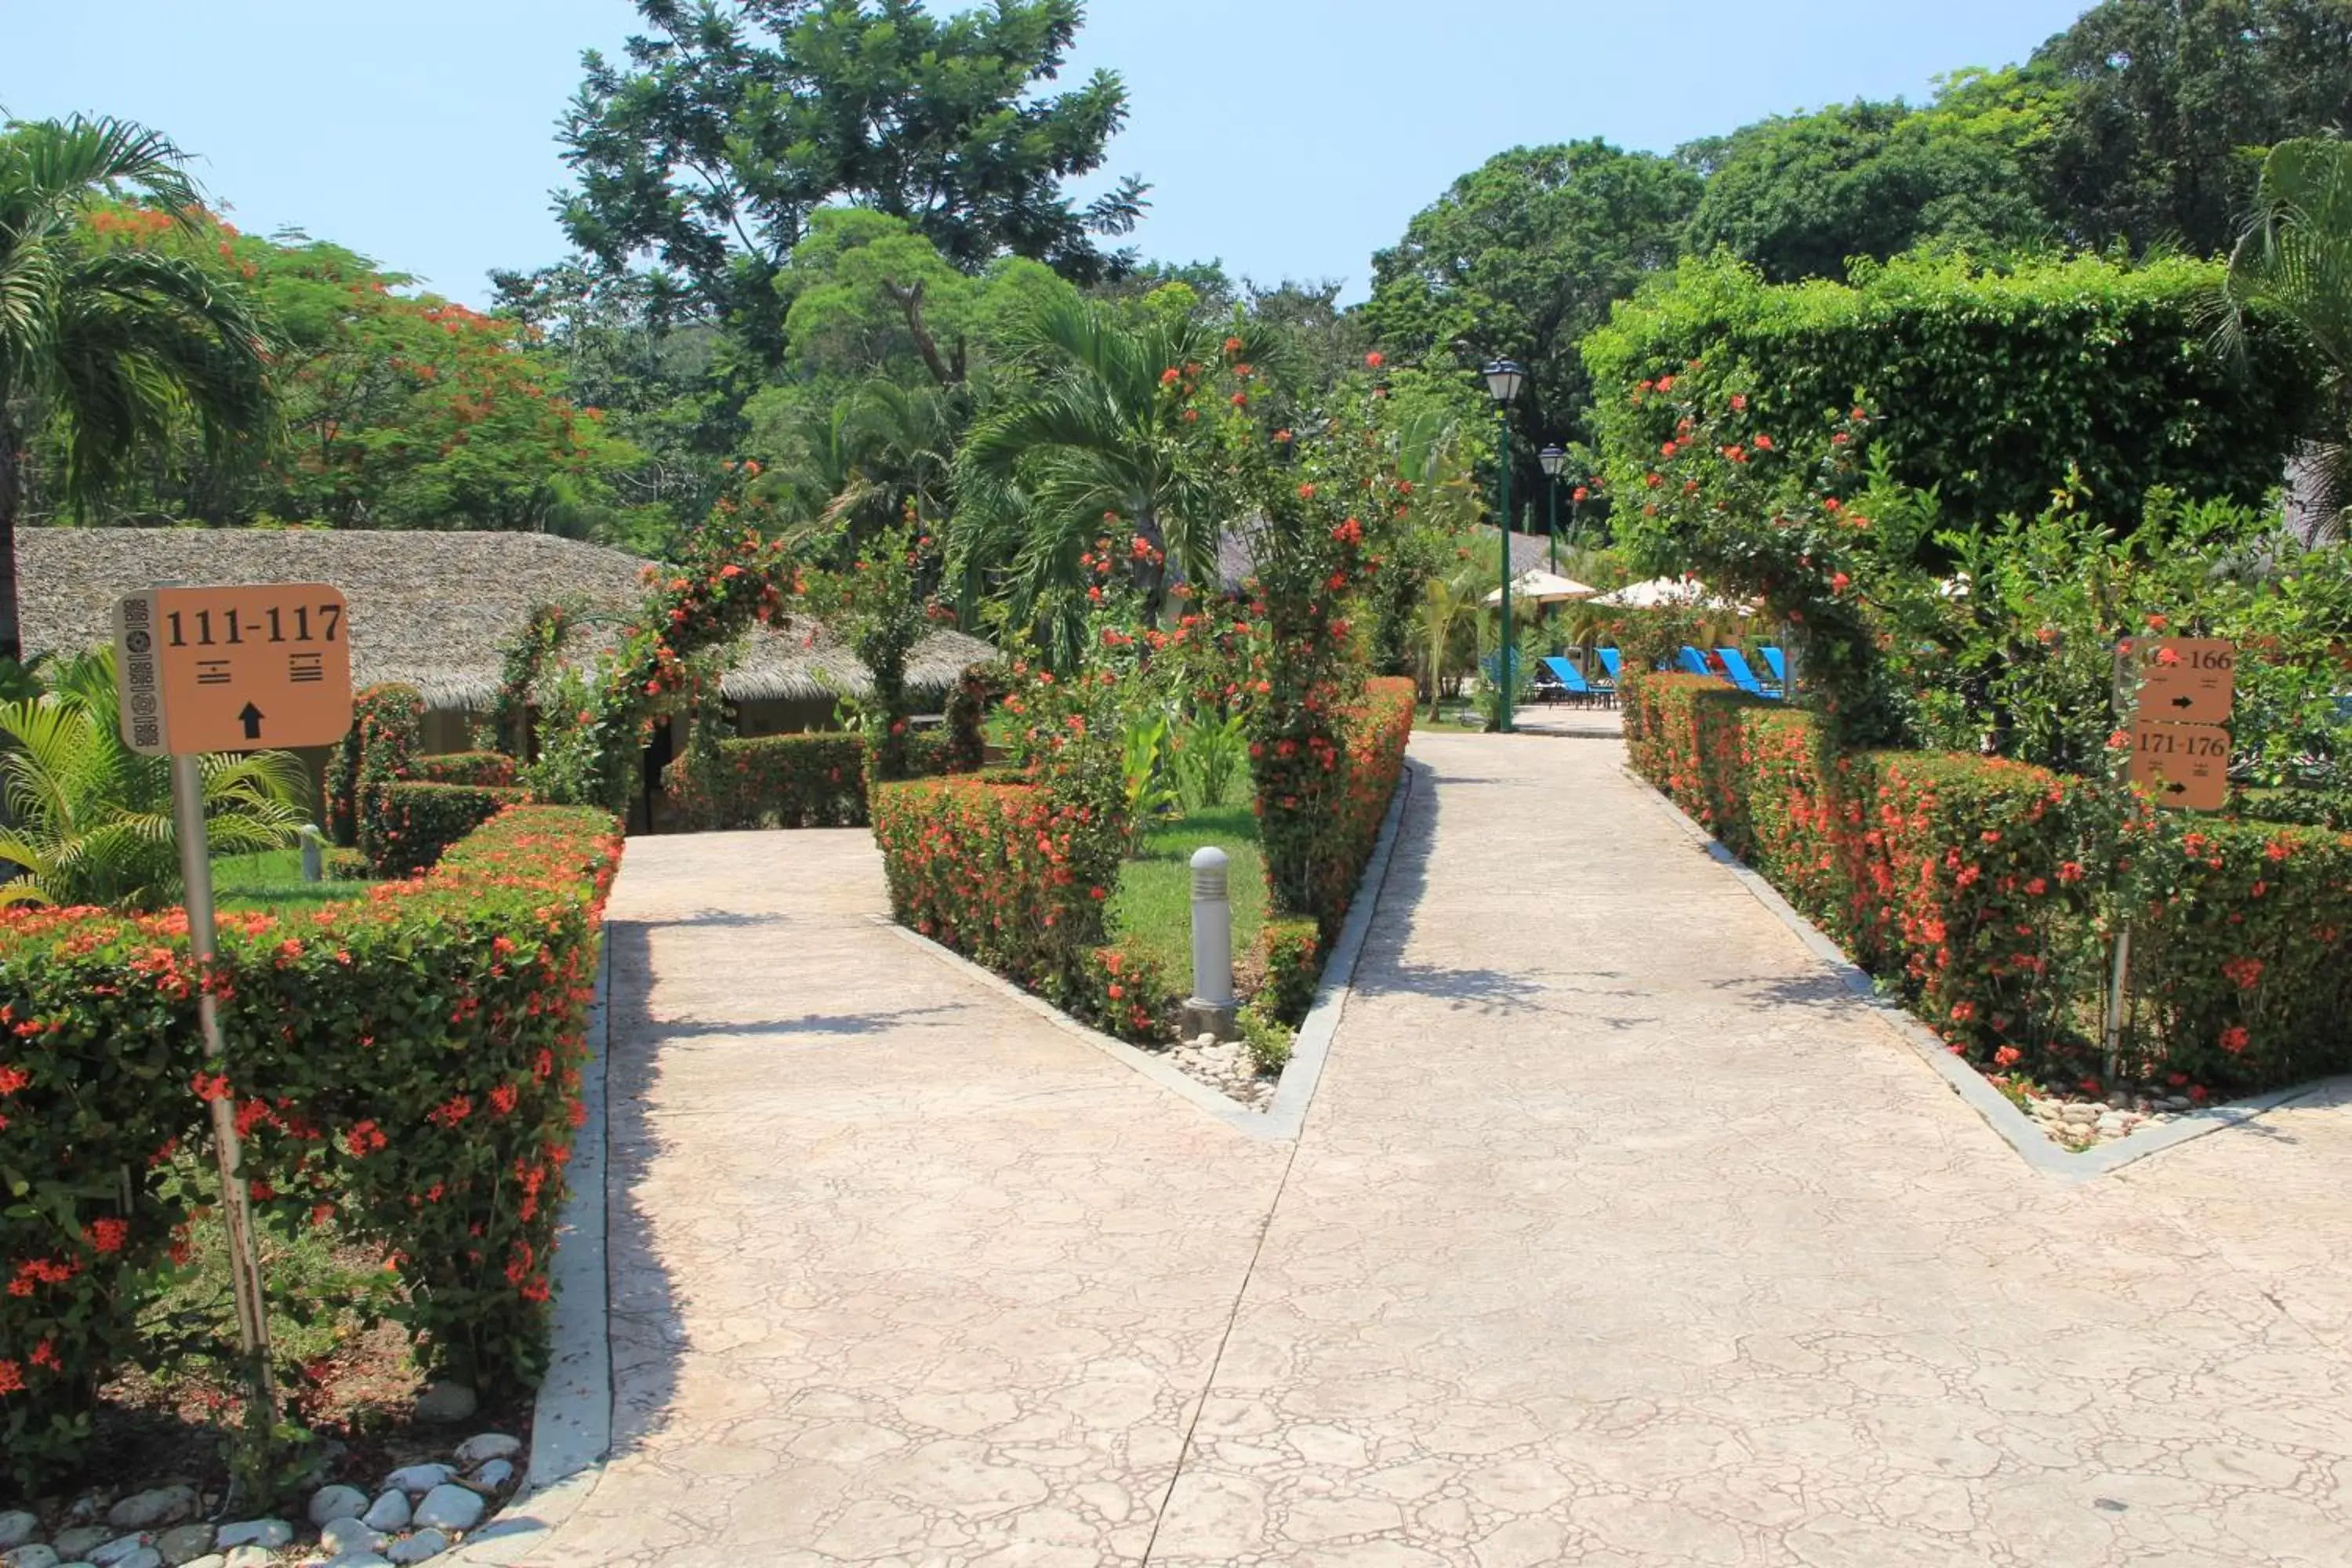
column 420, row 1547
column 250, row 1556
column 450, row 1508
column 121, row 1549
column 148, row 1509
column 357, row 1560
column 418, row 1480
column 387, row 1513
column 330, row 1503
column 16, row 1528
column 270, row 1535
column 186, row 1544
column 34, row 1555
column 349, row 1537
column 215, row 1560
column 491, row 1477
column 487, row 1445
column 444, row 1403
column 137, row 1557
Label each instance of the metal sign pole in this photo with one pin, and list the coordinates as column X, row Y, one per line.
column 236, row 1211
column 2124, row 692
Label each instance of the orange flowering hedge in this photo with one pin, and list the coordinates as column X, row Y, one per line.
column 404, row 1066
column 1374, row 735
column 492, row 770
column 815, row 780
column 407, row 824
column 1976, row 884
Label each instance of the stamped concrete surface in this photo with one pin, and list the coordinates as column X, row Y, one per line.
column 1618, row 1234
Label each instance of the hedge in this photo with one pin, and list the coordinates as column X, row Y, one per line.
column 1971, row 882
column 2003, row 381
column 387, row 727
column 405, row 826
column 493, row 769
column 404, row 1063
column 816, row 780
column 1375, row 736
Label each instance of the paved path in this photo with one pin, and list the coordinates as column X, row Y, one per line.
column 1617, row 1235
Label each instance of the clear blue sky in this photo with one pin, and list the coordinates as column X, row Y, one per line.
column 1288, row 137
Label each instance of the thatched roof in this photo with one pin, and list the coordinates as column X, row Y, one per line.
column 436, row 611
column 1530, row 551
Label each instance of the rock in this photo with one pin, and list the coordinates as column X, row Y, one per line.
column 492, row 1477
column 215, row 1560
column 145, row 1557
column 348, row 1538
column 330, row 1503
column 150, row 1509
column 87, row 1507
column 444, row 1403
column 16, row 1528
column 420, row 1547
column 33, row 1556
column 418, row 1480
column 121, row 1549
column 184, row 1544
column 270, row 1535
column 358, row 1559
column 487, row 1445
column 450, row 1508
column 388, row 1513
column 249, row 1556
column 76, row 1545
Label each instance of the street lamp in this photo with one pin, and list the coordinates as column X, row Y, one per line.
column 1553, row 458
column 1503, row 379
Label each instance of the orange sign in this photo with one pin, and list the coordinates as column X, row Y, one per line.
column 233, row 669
column 2187, row 680
column 2183, row 765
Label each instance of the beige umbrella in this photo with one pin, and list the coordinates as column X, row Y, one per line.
column 1663, row 593
column 1542, row 587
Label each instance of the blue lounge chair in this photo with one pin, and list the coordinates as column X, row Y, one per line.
column 1695, row 662
column 1492, row 670
column 1780, row 663
column 1571, row 679
column 1611, row 660
column 1742, row 677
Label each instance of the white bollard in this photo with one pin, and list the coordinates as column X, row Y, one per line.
column 314, row 844
column 1210, row 1009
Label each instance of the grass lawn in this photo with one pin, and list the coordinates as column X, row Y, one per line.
column 271, row 880
column 1154, row 903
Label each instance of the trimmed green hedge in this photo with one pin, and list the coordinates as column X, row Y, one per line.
column 815, row 780
column 493, row 769
column 1993, row 384
column 405, row 1064
column 405, row 825
column 1972, row 882
column 387, row 727
column 1291, row 952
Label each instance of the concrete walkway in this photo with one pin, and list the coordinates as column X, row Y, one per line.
column 1617, row 1235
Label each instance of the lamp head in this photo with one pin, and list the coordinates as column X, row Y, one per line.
column 1554, row 459
column 1503, row 379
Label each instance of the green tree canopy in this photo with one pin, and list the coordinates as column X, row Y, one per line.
column 1797, row 195
column 2171, row 102
column 1523, row 257
column 734, row 120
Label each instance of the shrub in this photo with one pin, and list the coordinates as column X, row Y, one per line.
column 1125, row 989
column 2001, row 382
column 978, row 690
column 816, row 780
column 405, row 825
column 492, row 770
column 1266, row 1039
column 1979, row 886
column 387, row 726
column 1291, row 954
column 404, row 1064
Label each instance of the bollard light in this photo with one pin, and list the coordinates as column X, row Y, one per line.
column 314, row 867
column 1210, row 1009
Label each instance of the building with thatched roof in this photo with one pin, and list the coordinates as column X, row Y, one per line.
column 437, row 611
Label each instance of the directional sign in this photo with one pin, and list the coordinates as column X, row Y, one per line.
column 233, row 669
column 2187, row 680
column 2182, row 766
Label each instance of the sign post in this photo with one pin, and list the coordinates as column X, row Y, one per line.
column 2178, row 693
column 229, row 669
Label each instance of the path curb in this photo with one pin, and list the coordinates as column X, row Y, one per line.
column 571, row 1421
column 1294, row 1090
column 2020, row 1132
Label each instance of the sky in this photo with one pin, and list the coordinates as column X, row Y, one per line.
column 1285, row 137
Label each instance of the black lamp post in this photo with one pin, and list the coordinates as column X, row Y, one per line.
column 1503, row 379
column 1553, row 458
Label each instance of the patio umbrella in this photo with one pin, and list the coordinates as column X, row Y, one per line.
column 1542, row 587
column 1661, row 593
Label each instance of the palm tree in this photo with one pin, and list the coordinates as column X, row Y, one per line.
column 117, row 346
column 1095, row 426
column 91, row 820
column 2295, row 261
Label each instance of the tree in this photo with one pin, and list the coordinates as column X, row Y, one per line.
column 118, row 348
column 2170, row 104
column 2295, row 262
column 735, row 120
column 1102, row 438
column 91, row 819
column 1797, row 195
column 1522, row 258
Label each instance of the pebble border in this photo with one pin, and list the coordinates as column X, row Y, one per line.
column 2021, row 1132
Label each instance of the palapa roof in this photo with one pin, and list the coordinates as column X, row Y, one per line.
column 1530, row 552
column 432, row 610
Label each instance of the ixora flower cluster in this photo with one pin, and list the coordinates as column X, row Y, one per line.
column 1986, row 889
column 404, row 1067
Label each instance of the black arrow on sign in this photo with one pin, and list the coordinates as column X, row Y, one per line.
column 2176, row 789
column 2184, row 703
column 251, row 719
